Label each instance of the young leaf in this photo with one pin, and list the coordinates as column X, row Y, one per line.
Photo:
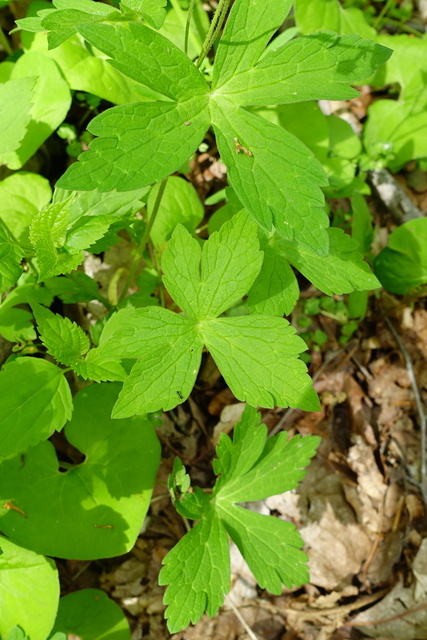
column 23, row 423
column 90, row 613
column 63, row 339
column 16, row 325
column 29, row 592
column 47, row 234
column 67, row 343
column 96, row 509
column 269, row 545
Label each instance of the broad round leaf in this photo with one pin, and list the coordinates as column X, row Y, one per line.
column 35, row 400
column 95, row 509
column 90, row 615
column 29, row 591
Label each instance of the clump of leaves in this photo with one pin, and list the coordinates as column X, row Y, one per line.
column 249, row 467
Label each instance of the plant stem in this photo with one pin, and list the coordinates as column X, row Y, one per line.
column 403, row 26
column 214, row 29
column 188, row 23
column 381, row 15
column 180, row 13
column 5, row 43
column 144, row 240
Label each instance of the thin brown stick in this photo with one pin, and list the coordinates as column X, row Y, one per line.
column 422, row 418
column 404, row 614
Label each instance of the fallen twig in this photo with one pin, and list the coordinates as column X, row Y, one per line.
column 419, row 404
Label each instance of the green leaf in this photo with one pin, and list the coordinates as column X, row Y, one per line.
column 48, row 233
column 249, row 28
column 16, row 101
column 206, row 283
column 67, row 343
column 21, row 196
column 402, row 265
column 146, row 142
column 99, row 367
column 153, row 11
column 63, row 23
column 275, row 292
column 16, row 325
column 96, row 508
column 270, row 546
column 169, row 349
column 51, row 101
column 63, row 339
column 180, row 204
column 198, row 572
column 342, row 271
column 258, row 357
column 88, row 71
column 391, row 133
column 285, row 194
column 29, row 592
column 330, row 15
column 10, row 257
column 35, row 400
column 163, row 67
column 76, row 287
column 90, row 614
column 319, row 66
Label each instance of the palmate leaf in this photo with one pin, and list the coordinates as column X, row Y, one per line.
column 197, row 569
column 258, row 355
column 274, row 175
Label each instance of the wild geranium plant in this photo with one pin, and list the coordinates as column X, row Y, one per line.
column 145, row 355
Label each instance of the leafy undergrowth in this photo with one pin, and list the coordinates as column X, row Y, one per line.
column 114, row 280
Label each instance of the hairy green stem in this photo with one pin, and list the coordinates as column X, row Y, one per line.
column 214, row 29
column 144, row 240
column 188, row 23
column 5, row 43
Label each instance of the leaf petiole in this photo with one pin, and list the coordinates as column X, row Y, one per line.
column 144, row 240
column 214, row 29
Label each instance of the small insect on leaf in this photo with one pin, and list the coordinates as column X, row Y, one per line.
column 239, row 148
column 9, row 505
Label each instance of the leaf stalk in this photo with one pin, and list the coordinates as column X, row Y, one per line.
column 214, row 29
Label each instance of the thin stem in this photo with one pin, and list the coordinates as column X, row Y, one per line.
column 403, row 26
column 381, row 15
column 144, row 240
column 422, row 418
column 5, row 43
column 180, row 13
column 187, row 24
column 214, row 29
